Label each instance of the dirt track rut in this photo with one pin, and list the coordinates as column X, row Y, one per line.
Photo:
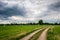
column 43, row 35
column 30, row 35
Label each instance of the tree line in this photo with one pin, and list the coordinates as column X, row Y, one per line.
column 40, row 22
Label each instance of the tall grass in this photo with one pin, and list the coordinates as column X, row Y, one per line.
column 7, row 32
column 13, row 31
column 54, row 33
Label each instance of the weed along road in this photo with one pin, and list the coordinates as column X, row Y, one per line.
column 43, row 35
column 30, row 35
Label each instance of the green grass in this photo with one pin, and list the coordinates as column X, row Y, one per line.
column 14, row 31
column 57, row 32
column 7, row 32
column 54, row 33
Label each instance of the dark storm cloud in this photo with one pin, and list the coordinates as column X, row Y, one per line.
column 13, row 10
column 2, row 4
column 55, row 6
column 6, row 12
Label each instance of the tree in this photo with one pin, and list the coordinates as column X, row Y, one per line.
column 56, row 23
column 40, row 22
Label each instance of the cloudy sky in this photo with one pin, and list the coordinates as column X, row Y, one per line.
column 24, row 11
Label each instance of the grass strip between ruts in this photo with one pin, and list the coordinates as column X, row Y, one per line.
column 36, row 36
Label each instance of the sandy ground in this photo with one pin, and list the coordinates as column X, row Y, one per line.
column 43, row 36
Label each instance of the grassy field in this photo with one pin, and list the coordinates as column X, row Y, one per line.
column 7, row 32
column 57, row 32
column 13, row 31
column 54, row 33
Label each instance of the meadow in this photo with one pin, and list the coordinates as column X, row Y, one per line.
column 11, row 31
column 54, row 33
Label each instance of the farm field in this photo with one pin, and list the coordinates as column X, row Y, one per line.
column 11, row 32
column 7, row 32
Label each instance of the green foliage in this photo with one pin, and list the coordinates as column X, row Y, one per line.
column 40, row 22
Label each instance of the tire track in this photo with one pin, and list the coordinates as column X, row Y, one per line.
column 43, row 36
column 30, row 35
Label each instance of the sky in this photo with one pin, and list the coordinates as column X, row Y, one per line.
column 26, row 11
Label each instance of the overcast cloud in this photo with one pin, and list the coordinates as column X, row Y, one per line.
column 22, row 11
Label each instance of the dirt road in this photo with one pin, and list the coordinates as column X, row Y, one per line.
column 30, row 35
column 43, row 36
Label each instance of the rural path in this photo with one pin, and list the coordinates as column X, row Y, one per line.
column 30, row 35
column 43, row 35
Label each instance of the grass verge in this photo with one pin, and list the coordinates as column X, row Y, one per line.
column 54, row 33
